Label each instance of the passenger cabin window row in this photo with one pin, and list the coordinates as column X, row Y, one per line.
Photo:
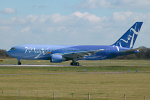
column 60, row 50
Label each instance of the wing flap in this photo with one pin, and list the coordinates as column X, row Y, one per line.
column 81, row 54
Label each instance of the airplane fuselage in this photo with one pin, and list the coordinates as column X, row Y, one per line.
column 44, row 52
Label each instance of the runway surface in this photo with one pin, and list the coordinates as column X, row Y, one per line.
column 34, row 65
column 43, row 65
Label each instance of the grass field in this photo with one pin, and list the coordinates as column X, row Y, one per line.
column 74, row 83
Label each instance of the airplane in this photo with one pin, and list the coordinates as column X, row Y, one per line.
column 59, row 53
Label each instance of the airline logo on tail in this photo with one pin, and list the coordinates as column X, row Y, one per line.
column 128, row 39
column 134, row 33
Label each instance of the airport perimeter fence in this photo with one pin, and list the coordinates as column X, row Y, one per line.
column 52, row 95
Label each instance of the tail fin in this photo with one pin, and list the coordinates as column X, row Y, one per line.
column 128, row 39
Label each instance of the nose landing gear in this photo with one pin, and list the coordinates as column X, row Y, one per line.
column 19, row 62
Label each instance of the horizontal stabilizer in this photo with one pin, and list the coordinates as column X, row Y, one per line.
column 131, row 51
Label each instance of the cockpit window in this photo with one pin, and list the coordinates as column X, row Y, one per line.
column 12, row 49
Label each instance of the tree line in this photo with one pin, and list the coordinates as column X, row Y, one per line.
column 143, row 54
column 3, row 54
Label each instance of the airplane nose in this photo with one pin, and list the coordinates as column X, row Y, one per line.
column 9, row 53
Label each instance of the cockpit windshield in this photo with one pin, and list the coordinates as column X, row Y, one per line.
column 12, row 49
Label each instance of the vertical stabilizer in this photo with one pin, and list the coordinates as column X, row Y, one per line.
column 129, row 38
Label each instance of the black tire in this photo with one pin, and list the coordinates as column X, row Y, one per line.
column 19, row 63
column 71, row 63
column 74, row 64
column 77, row 64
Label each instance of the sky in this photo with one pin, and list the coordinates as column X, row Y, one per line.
column 71, row 22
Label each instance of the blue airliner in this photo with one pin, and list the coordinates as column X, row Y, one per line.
column 59, row 53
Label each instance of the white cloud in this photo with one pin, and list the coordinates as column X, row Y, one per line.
column 96, row 4
column 130, row 16
column 76, row 28
column 136, row 4
column 133, row 3
column 57, row 18
column 121, row 15
column 18, row 20
column 87, row 16
column 8, row 11
column 26, row 29
column 32, row 18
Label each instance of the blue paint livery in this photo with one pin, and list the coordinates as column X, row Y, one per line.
column 59, row 53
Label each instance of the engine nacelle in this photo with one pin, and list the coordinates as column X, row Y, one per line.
column 57, row 58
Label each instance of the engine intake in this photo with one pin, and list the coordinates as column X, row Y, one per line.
column 57, row 58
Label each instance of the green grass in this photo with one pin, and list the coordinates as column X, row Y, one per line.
column 134, row 85
column 39, row 83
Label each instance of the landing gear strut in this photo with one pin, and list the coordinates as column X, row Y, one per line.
column 19, row 62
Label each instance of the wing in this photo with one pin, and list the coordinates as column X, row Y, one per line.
column 80, row 54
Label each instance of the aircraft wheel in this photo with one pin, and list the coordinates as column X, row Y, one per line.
column 19, row 63
column 71, row 63
column 74, row 63
column 77, row 64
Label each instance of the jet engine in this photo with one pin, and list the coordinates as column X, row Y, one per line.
column 57, row 58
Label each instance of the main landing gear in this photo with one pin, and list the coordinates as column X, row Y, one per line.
column 19, row 62
column 74, row 63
